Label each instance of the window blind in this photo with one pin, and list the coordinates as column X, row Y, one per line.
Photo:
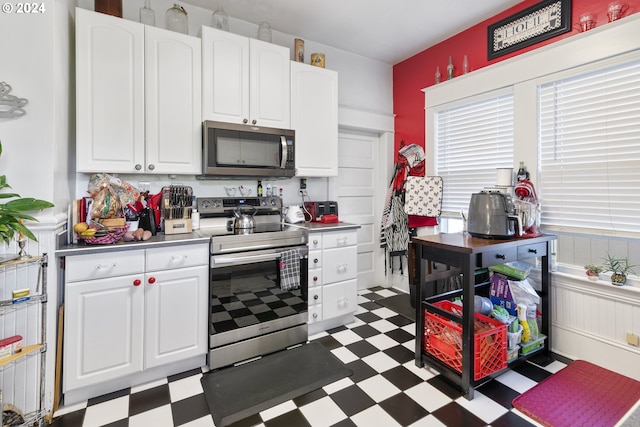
column 472, row 141
column 589, row 136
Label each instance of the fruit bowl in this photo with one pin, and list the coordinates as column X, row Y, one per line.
column 107, row 238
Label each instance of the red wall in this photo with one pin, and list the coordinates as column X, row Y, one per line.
column 416, row 73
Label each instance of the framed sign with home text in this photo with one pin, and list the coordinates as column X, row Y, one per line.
column 540, row 22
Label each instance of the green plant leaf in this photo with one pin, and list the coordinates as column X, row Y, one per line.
column 8, row 195
column 28, row 204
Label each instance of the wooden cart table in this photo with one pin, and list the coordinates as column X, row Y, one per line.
column 464, row 254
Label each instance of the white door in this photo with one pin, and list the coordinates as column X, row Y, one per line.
column 176, row 324
column 103, row 330
column 109, row 93
column 173, row 102
column 314, row 116
column 358, row 197
column 225, row 76
column 269, row 85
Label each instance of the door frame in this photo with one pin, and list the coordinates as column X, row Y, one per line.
column 352, row 120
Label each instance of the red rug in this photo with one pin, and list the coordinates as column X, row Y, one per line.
column 582, row 394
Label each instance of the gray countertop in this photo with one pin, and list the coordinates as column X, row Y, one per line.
column 164, row 240
column 157, row 241
column 317, row 226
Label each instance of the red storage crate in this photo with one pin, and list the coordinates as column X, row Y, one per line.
column 443, row 340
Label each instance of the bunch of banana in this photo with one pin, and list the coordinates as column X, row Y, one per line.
column 86, row 231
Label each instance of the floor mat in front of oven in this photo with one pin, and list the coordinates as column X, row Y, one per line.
column 237, row 392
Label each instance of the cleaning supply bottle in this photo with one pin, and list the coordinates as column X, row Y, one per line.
column 532, row 321
column 522, row 319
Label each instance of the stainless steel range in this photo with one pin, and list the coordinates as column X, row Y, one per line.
column 258, row 278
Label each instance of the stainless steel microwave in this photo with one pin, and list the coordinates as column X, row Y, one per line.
column 236, row 150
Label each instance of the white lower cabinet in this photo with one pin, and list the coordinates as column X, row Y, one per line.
column 332, row 274
column 127, row 312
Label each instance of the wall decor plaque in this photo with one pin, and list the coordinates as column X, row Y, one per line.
column 539, row 22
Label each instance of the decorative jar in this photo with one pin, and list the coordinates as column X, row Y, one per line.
column 219, row 19
column 177, row 19
column 264, row 32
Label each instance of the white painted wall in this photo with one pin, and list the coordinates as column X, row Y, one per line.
column 37, row 62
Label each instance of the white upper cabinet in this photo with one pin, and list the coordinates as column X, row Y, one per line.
column 314, row 117
column 173, row 96
column 244, row 80
column 269, row 87
column 109, row 93
column 138, row 91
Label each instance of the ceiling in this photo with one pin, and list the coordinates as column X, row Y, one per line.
column 387, row 30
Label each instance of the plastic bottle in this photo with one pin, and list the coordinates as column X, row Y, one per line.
column 522, row 172
column 195, row 220
column 522, row 319
column 259, row 189
column 532, row 321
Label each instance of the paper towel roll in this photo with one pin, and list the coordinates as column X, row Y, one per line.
column 504, row 177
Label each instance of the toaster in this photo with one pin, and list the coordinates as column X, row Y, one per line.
column 315, row 210
column 492, row 215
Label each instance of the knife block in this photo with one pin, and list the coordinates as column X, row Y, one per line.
column 177, row 226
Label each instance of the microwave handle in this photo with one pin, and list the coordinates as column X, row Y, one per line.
column 283, row 147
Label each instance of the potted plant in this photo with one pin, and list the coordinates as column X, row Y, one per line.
column 12, row 212
column 619, row 268
column 592, row 271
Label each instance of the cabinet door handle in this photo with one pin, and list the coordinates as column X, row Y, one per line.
column 500, row 256
column 152, row 280
column 341, row 240
column 315, row 278
column 151, row 167
column 316, row 297
column 315, row 260
column 137, row 282
column 178, row 258
column 245, row 121
column 315, row 242
column 315, row 315
column 341, row 267
column 105, row 267
column 533, row 251
column 253, row 122
column 138, row 167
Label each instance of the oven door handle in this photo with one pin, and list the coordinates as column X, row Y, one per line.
column 221, row 260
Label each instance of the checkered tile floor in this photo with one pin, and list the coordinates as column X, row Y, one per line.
column 386, row 388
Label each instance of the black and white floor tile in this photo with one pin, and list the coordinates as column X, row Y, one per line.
column 386, row 388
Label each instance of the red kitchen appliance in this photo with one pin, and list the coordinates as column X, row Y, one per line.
column 315, row 210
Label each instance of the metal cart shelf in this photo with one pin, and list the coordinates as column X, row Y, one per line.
column 22, row 375
column 465, row 254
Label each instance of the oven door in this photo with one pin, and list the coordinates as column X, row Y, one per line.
column 247, row 299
